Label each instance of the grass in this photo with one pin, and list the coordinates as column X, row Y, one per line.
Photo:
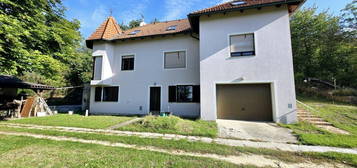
column 199, row 147
column 341, row 116
column 95, row 122
column 17, row 151
column 173, row 125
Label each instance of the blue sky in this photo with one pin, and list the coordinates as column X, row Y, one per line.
column 91, row 13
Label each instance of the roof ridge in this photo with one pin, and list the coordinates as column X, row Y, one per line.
column 153, row 24
column 105, row 27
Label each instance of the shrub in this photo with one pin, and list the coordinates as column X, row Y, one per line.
column 345, row 92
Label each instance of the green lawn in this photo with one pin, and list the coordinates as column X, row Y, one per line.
column 28, row 152
column 174, row 125
column 198, row 147
column 65, row 120
column 341, row 116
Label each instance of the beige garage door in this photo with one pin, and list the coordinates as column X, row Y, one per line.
column 251, row 102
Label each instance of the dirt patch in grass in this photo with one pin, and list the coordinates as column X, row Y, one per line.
column 174, row 125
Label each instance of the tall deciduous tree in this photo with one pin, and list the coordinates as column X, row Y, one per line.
column 35, row 38
column 319, row 47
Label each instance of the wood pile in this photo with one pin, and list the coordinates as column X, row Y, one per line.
column 34, row 105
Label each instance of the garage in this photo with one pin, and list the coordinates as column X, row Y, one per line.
column 250, row 102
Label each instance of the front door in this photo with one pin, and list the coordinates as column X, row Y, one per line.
column 155, row 99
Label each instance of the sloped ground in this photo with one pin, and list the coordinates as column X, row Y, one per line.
column 341, row 116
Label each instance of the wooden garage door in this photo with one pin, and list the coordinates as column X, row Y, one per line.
column 251, row 102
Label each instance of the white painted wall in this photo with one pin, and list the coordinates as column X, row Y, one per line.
column 272, row 63
column 149, row 71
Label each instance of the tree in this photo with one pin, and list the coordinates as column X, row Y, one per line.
column 35, row 38
column 318, row 47
column 132, row 24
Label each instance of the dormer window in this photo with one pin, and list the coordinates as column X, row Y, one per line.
column 173, row 27
column 236, row 3
column 134, row 32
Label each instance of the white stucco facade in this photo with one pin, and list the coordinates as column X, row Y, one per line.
column 208, row 63
column 148, row 71
column 271, row 64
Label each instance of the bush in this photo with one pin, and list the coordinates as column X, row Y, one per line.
column 345, row 92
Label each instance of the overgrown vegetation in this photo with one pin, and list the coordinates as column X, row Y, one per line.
column 341, row 116
column 74, row 121
column 174, row 125
column 324, row 45
column 39, row 45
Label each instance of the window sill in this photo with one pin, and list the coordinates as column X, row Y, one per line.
column 184, row 102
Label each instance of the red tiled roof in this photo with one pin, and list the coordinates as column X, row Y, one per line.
column 159, row 28
column 107, row 30
column 110, row 30
column 246, row 3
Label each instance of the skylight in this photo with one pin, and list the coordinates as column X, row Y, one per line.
column 236, row 3
column 173, row 27
column 134, row 32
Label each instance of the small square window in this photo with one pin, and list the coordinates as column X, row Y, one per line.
column 171, row 28
column 127, row 63
column 242, row 45
column 134, row 32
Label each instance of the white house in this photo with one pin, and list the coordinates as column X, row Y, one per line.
column 230, row 61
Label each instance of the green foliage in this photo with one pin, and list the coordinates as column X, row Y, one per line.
column 345, row 92
column 36, row 41
column 323, row 47
column 174, row 125
column 132, row 24
column 341, row 116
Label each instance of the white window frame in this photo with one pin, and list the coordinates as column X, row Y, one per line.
column 121, row 60
column 242, row 33
column 168, row 51
column 94, row 68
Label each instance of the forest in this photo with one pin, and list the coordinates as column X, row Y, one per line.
column 38, row 44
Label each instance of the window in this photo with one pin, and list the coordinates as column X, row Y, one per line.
column 171, row 28
column 98, row 94
column 127, row 63
column 242, row 45
column 184, row 93
column 97, row 73
column 175, row 59
column 106, row 94
column 110, row 93
column 134, row 32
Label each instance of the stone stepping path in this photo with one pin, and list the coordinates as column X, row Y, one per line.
column 307, row 116
column 242, row 159
column 229, row 142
